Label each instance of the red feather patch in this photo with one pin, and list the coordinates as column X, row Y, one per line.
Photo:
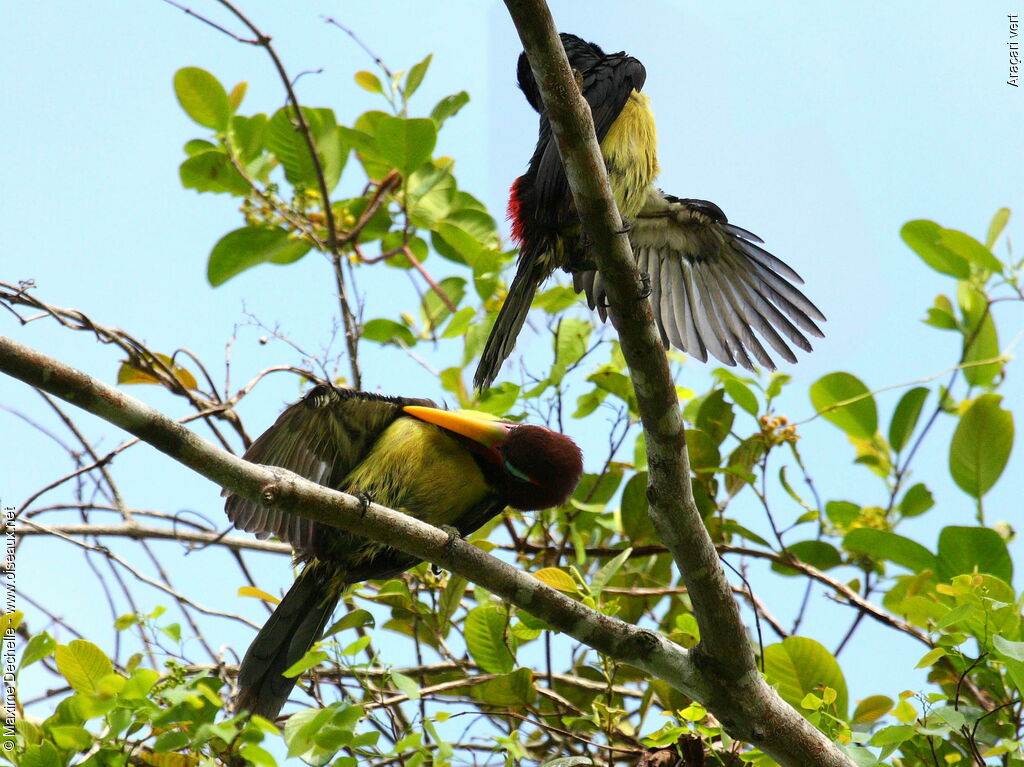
column 513, row 214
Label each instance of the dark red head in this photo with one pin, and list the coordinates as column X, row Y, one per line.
column 541, row 467
column 531, row 467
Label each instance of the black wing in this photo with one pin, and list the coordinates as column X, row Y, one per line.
column 712, row 285
column 322, row 437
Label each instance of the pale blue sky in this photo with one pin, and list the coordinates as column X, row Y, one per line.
column 822, row 127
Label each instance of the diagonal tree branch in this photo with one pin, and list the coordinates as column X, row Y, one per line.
column 288, row 492
column 738, row 696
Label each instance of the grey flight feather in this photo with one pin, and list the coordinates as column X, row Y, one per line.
column 712, row 285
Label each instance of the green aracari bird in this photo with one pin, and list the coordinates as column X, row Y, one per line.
column 456, row 469
column 712, row 285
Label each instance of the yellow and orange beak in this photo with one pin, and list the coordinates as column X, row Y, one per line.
column 479, row 427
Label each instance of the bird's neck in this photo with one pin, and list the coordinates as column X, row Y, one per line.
column 630, row 150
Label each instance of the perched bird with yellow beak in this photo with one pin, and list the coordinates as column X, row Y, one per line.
column 712, row 285
column 457, row 469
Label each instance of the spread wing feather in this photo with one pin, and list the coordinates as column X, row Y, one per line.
column 713, row 288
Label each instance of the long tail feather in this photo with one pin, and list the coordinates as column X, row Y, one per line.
column 296, row 623
column 510, row 321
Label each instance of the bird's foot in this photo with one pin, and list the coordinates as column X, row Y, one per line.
column 453, row 534
column 577, row 75
column 645, row 291
column 364, row 502
column 627, row 227
column 645, row 283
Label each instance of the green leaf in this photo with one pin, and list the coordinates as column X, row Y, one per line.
column 83, row 664
column 459, row 323
column 893, row 734
column 499, row 399
column 450, row 600
column 368, row 81
column 406, row 143
column 799, row 665
column 885, row 545
column 508, row 690
column 70, row 737
column 212, row 171
column 858, row 418
column 964, row 549
column 904, row 417
column 871, row 709
column 616, row 384
column 996, row 227
column 741, row 463
column 197, row 145
column 637, row 527
column 842, row 513
column 1012, row 650
column 485, row 629
column 285, row 140
column 556, row 578
column 741, row 395
column 970, row 249
column 556, row 299
column 431, row 191
column 248, row 247
column 385, row 331
column 823, row 556
column 941, row 314
column 415, row 76
column 981, row 445
column 449, row 106
column 434, row 310
column 599, row 488
column 202, row 97
column 732, row 526
column 925, row 239
column 571, row 340
column 931, row 657
column 258, row 756
column 247, row 135
column 38, row 647
column 917, row 500
column 44, row 754
column 349, row 211
column 608, row 571
column 468, row 233
column 981, row 341
column 777, row 381
column 715, row 416
column 237, row 95
column 406, row 685
column 311, row 659
column 702, row 449
column 356, row 646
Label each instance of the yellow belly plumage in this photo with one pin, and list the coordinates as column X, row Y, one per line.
column 630, row 150
column 418, row 469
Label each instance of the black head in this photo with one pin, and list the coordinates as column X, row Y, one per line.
column 581, row 54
